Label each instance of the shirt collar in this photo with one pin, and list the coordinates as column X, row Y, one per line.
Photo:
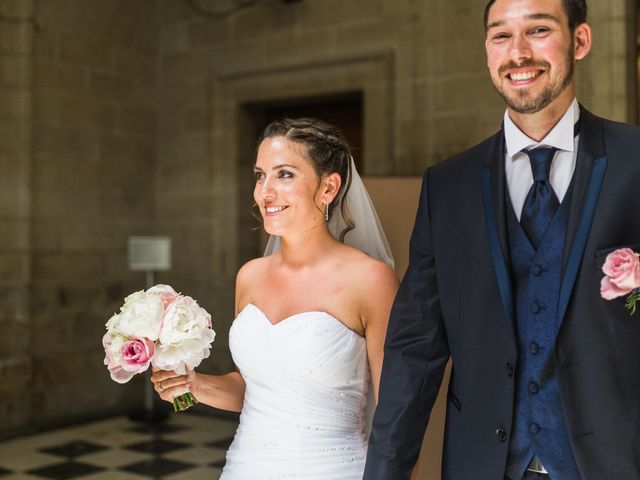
column 560, row 137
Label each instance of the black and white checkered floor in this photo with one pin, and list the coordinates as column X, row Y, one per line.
column 185, row 446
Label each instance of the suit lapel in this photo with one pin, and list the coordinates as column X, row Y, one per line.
column 591, row 164
column 494, row 208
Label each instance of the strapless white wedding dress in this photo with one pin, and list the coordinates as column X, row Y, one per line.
column 307, row 382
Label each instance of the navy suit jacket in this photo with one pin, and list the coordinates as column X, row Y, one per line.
column 456, row 301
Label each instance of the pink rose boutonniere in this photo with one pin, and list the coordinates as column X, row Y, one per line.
column 622, row 277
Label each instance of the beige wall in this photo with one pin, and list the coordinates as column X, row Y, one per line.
column 16, row 48
column 123, row 118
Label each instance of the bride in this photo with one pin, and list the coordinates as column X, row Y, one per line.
column 311, row 316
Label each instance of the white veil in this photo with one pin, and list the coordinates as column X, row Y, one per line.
column 367, row 236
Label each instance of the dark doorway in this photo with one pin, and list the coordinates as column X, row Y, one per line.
column 343, row 111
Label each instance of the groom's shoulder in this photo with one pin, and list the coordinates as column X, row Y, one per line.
column 472, row 158
column 619, row 132
column 615, row 133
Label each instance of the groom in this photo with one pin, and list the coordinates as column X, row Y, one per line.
column 504, row 279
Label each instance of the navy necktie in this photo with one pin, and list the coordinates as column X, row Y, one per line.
column 541, row 202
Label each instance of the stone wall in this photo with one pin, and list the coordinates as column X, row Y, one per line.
column 78, row 178
column 123, row 118
column 16, row 47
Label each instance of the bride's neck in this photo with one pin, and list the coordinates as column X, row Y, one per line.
column 305, row 249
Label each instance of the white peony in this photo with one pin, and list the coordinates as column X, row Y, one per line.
column 140, row 316
column 185, row 337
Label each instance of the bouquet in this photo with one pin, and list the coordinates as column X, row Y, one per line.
column 158, row 327
column 622, row 277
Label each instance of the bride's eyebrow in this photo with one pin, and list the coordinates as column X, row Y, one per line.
column 284, row 165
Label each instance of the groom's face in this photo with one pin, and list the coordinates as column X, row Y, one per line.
column 530, row 53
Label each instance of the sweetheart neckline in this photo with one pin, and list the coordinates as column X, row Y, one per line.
column 298, row 314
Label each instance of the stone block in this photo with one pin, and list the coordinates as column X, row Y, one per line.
column 175, row 11
column 331, row 13
column 15, row 70
column 300, row 47
column 14, row 316
column 17, row 8
column 260, row 22
column 186, row 65
column 46, row 45
column 208, row 33
column 12, row 138
column 174, row 39
column 461, row 93
column 57, row 77
column 15, row 235
column 16, row 37
column 110, row 86
column 70, row 267
column 60, row 151
column 16, row 102
column 73, row 111
column 135, row 65
column 87, row 51
column 15, row 408
column 127, row 155
column 136, row 119
column 14, row 267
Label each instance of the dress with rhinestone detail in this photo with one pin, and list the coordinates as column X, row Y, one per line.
column 307, row 382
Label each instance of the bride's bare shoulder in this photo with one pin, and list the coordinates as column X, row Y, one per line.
column 366, row 270
column 250, row 274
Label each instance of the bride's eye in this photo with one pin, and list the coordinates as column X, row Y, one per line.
column 285, row 174
column 258, row 175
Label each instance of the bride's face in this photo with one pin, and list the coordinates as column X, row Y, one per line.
column 287, row 188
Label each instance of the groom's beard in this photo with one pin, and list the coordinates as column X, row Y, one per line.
column 523, row 102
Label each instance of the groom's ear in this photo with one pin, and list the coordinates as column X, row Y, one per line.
column 331, row 186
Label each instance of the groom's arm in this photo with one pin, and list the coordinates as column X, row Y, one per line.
column 415, row 357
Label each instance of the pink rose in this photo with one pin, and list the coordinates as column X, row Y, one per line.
column 112, row 359
column 166, row 293
column 137, row 354
column 622, row 274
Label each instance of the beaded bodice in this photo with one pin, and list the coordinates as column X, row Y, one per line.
column 307, row 381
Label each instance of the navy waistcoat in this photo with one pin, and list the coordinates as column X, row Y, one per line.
column 538, row 426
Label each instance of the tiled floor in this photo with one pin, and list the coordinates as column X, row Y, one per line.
column 185, row 446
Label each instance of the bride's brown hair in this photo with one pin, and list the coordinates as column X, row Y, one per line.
column 326, row 148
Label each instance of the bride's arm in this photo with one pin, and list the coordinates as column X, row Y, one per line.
column 225, row 392
column 378, row 292
column 379, row 300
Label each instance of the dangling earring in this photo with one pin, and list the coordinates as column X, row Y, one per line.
column 326, row 212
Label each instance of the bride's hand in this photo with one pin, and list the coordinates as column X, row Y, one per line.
column 169, row 385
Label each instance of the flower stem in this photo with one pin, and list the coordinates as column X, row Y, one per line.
column 184, row 401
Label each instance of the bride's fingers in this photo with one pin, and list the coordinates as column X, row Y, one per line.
column 171, row 382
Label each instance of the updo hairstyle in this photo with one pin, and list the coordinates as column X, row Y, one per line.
column 327, row 150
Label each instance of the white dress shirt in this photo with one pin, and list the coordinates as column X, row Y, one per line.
column 518, row 166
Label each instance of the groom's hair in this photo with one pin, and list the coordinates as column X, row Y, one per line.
column 576, row 11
